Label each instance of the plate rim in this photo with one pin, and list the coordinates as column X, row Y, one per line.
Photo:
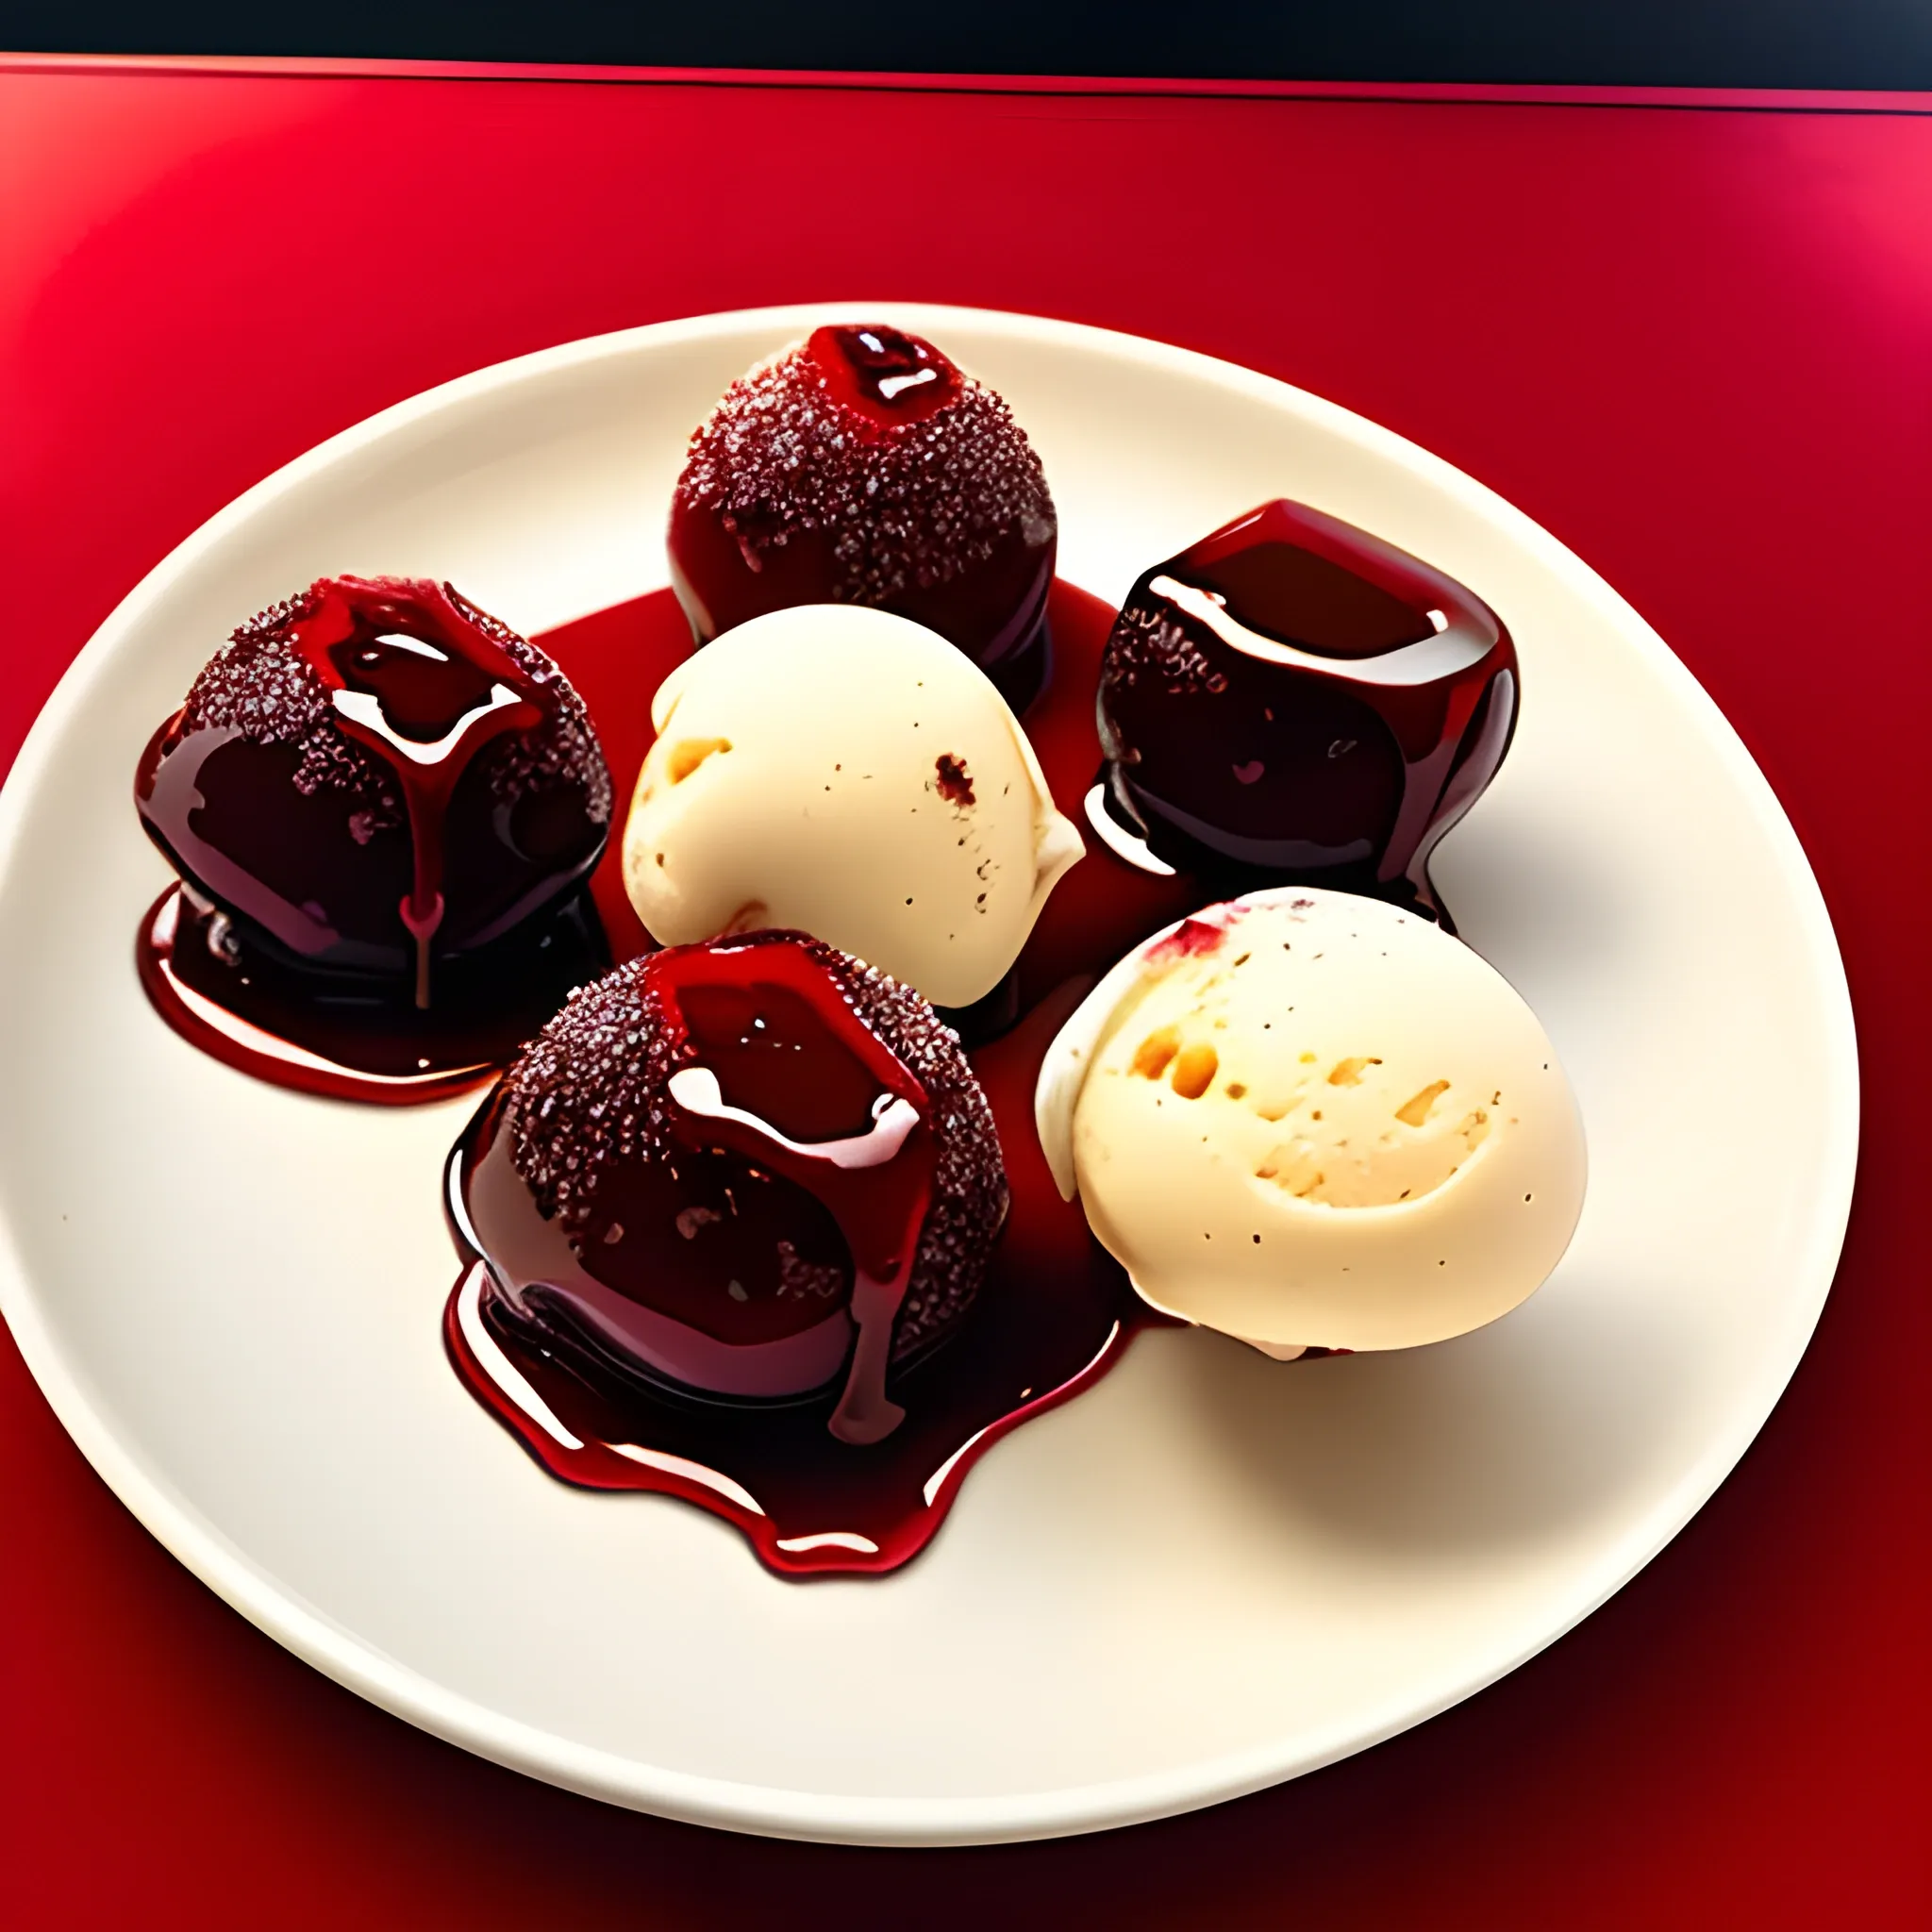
column 879, row 1818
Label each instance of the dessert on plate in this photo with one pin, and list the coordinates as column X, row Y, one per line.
column 848, row 772
column 752, row 1169
column 738, row 1227
column 1309, row 1118
column 854, row 1168
column 1295, row 699
column 862, row 466
column 383, row 806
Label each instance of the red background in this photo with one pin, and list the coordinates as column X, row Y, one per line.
column 1694, row 340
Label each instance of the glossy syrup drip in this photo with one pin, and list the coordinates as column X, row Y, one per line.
column 417, row 684
column 319, row 877
column 1293, row 700
column 892, row 377
column 338, row 1040
column 1053, row 1316
column 786, row 1077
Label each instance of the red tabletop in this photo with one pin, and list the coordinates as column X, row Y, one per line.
column 1691, row 336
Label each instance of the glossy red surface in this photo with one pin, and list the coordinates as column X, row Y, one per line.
column 271, row 1029
column 1291, row 699
column 383, row 806
column 887, row 374
column 1054, row 1316
column 1691, row 341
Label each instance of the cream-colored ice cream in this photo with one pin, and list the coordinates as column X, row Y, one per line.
column 854, row 775
column 1308, row 1119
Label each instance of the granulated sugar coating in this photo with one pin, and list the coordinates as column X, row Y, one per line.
column 261, row 686
column 909, row 505
column 1147, row 642
column 593, row 1091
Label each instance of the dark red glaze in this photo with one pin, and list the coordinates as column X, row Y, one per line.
column 752, row 1168
column 886, row 375
column 788, row 1050
column 384, row 806
column 1104, row 906
column 1292, row 699
column 333, row 1040
column 863, row 467
column 1053, row 1313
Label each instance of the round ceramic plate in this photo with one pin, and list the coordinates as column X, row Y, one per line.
column 1209, row 1574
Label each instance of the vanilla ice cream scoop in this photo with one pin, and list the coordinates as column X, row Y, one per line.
column 1308, row 1119
column 851, row 775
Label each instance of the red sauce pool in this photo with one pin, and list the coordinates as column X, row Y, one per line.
column 377, row 1050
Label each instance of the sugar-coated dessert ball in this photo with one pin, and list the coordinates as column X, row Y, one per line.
column 756, row 1169
column 863, row 467
column 1312, row 1119
column 375, row 780
column 849, row 773
column 1295, row 699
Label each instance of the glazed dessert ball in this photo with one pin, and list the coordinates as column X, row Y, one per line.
column 863, row 467
column 848, row 772
column 754, row 1170
column 1292, row 698
column 377, row 783
column 1312, row 1119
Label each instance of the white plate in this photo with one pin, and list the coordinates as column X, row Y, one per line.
column 1207, row 1575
